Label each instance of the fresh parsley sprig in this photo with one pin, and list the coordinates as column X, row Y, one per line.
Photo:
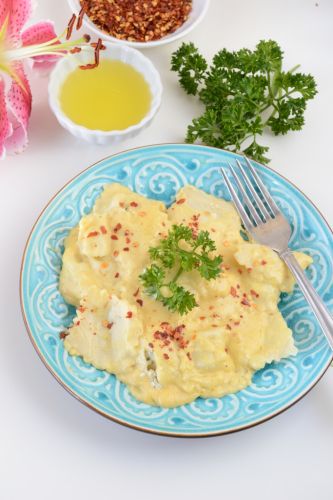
column 171, row 254
column 244, row 93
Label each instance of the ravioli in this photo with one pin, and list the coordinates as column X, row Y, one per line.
column 164, row 358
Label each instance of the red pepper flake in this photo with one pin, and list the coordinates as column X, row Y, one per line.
column 136, row 293
column 215, row 326
column 92, row 234
column 215, row 315
column 109, row 326
column 245, row 302
column 140, row 302
column 211, row 308
column 129, row 314
column 77, row 323
column 115, row 253
column 213, row 230
column 117, row 227
column 238, row 286
column 114, row 237
column 202, row 317
column 121, row 204
column 135, row 244
column 233, row 291
column 63, row 335
column 94, row 333
column 103, row 229
column 128, row 241
column 116, row 275
column 241, row 316
column 226, row 350
column 249, row 269
column 133, row 204
column 240, row 271
column 236, row 323
column 254, row 293
column 263, row 262
column 151, row 345
column 228, row 327
column 181, row 201
column 166, row 356
column 81, row 309
column 188, row 354
column 126, row 249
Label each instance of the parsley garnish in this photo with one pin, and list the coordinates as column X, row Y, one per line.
column 244, row 92
column 172, row 255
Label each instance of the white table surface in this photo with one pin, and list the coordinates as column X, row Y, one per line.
column 53, row 447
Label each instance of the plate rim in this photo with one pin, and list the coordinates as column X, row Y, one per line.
column 98, row 410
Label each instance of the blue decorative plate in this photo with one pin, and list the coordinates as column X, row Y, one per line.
column 158, row 172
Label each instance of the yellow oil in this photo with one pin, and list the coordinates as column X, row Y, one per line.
column 112, row 96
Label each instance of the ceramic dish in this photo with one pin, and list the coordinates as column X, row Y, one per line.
column 198, row 12
column 158, row 172
column 114, row 52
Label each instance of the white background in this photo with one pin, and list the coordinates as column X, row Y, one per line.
column 51, row 446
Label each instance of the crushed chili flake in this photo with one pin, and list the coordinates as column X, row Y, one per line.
column 249, row 269
column 215, row 326
column 233, row 291
column 213, row 230
column 115, row 253
column 211, row 308
column 129, row 314
column 140, row 20
column 245, row 302
column 226, row 349
column 63, row 335
column 77, row 323
column 188, row 354
column 181, row 201
column 114, row 237
column 128, row 241
column 238, row 286
column 81, row 309
column 109, row 326
column 117, row 227
column 94, row 333
column 92, row 234
column 104, row 265
column 202, row 317
column 126, row 232
column 126, row 249
column 254, row 293
column 133, row 204
column 135, row 244
column 166, row 356
column 140, row 302
column 228, row 327
column 103, row 229
column 122, row 204
column 263, row 262
column 239, row 271
column 151, row 345
column 116, row 275
column 168, row 334
column 236, row 323
column 136, row 293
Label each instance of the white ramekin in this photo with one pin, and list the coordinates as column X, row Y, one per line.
column 199, row 9
column 114, row 52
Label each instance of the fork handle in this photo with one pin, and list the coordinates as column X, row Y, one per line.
column 321, row 312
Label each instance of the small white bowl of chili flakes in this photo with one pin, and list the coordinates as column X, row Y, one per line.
column 140, row 23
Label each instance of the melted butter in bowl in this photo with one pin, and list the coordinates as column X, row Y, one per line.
column 113, row 96
column 107, row 104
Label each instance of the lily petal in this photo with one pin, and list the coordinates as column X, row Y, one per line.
column 5, row 125
column 19, row 12
column 39, row 33
column 19, row 108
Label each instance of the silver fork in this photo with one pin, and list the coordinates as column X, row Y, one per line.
column 265, row 222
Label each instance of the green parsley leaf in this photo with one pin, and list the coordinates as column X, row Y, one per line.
column 244, row 92
column 185, row 252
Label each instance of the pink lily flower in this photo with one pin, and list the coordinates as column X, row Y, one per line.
column 42, row 46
